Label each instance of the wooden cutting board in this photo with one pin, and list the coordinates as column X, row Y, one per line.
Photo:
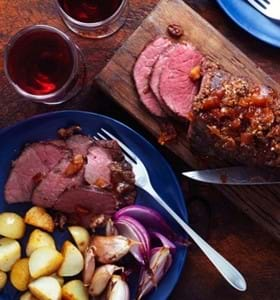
column 261, row 203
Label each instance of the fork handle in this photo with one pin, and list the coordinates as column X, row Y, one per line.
column 227, row 270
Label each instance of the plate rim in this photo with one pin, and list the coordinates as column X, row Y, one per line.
column 250, row 30
column 182, row 203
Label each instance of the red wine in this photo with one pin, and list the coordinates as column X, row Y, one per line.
column 40, row 62
column 90, row 11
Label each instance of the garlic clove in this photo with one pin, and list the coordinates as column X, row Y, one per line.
column 110, row 228
column 89, row 267
column 109, row 249
column 101, row 279
column 117, row 289
column 160, row 262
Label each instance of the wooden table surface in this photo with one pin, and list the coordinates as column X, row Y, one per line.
column 231, row 232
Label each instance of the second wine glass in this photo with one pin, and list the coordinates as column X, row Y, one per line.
column 93, row 19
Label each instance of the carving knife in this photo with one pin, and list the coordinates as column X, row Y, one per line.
column 237, row 176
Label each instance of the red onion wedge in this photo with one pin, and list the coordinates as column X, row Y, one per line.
column 132, row 229
column 160, row 262
column 164, row 240
column 150, row 219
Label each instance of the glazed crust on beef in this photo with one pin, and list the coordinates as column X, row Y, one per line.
column 235, row 119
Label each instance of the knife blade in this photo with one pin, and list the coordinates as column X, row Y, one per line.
column 236, row 176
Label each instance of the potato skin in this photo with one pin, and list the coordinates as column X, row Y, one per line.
column 73, row 262
column 27, row 296
column 44, row 261
column 38, row 217
column 12, row 225
column 81, row 237
column 3, row 279
column 20, row 275
column 37, row 239
column 74, row 290
column 45, row 288
column 10, row 251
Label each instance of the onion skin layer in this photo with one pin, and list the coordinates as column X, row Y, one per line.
column 134, row 230
column 149, row 218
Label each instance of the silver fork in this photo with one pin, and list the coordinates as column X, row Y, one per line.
column 228, row 271
column 269, row 8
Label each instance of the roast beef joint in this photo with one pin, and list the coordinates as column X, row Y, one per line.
column 227, row 116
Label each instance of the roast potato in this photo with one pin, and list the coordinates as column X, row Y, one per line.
column 38, row 217
column 11, row 225
column 58, row 278
column 44, row 261
column 74, row 290
column 38, row 239
column 46, row 288
column 20, row 275
column 73, row 262
column 80, row 236
column 27, row 296
column 3, row 279
column 9, row 253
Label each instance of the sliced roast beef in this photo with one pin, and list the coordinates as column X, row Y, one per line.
column 77, row 176
column 97, row 170
column 176, row 88
column 100, row 156
column 84, row 203
column 106, row 168
column 55, row 183
column 112, row 147
column 33, row 164
column 106, row 171
column 235, row 119
column 59, row 143
column 89, row 200
column 142, row 71
column 79, row 144
column 155, row 77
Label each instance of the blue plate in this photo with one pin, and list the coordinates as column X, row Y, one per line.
column 44, row 127
column 248, row 18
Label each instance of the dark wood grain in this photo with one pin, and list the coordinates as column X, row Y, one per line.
column 242, row 241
